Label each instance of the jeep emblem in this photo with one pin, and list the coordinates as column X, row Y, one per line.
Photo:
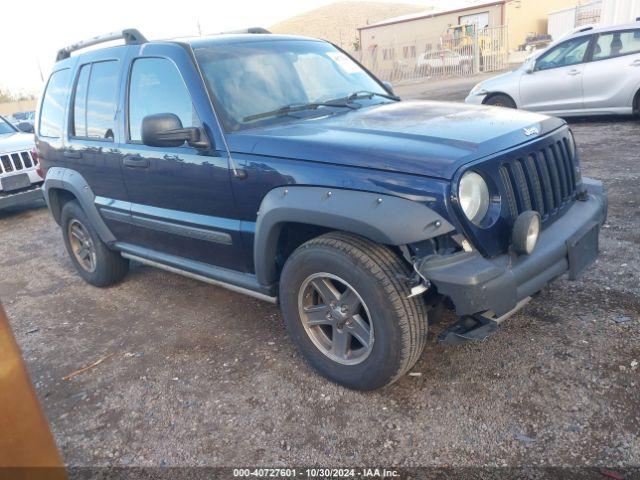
column 531, row 131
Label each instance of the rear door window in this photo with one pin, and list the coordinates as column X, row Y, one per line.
column 157, row 87
column 53, row 104
column 616, row 44
column 102, row 100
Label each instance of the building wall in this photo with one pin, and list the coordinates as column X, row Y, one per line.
column 427, row 29
column 615, row 12
column 530, row 16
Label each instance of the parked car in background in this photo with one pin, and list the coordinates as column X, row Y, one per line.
column 593, row 71
column 23, row 121
column 279, row 168
column 20, row 181
column 443, row 61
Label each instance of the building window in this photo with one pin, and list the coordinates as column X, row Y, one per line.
column 388, row 54
column 481, row 20
column 409, row 51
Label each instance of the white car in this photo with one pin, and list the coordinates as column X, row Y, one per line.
column 593, row 71
column 19, row 178
column 444, row 60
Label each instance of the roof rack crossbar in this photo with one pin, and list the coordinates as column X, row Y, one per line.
column 256, row 30
column 131, row 36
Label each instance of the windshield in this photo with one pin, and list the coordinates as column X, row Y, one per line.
column 249, row 79
column 6, row 127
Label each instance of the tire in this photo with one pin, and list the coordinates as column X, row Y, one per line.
column 500, row 100
column 94, row 261
column 636, row 104
column 377, row 276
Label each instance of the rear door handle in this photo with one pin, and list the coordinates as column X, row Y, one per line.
column 636, row 63
column 573, row 72
column 72, row 154
column 135, row 162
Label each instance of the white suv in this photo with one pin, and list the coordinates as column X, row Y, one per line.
column 593, row 71
column 19, row 178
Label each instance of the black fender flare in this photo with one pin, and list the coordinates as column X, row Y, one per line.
column 384, row 219
column 59, row 178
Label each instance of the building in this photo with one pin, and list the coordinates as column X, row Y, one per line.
column 598, row 12
column 520, row 19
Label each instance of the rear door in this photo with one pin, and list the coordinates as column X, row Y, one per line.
column 555, row 85
column 93, row 141
column 181, row 199
column 613, row 76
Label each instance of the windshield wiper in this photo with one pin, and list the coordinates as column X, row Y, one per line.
column 366, row 94
column 297, row 107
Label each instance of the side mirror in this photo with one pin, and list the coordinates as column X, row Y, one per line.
column 166, row 130
column 530, row 68
column 25, row 127
column 389, row 87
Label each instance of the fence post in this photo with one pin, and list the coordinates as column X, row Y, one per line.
column 476, row 51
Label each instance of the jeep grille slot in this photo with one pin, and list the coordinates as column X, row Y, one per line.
column 13, row 162
column 543, row 181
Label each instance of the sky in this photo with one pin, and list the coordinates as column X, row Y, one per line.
column 33, row 31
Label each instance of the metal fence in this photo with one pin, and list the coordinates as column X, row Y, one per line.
column 588, row 14
column 460, row 53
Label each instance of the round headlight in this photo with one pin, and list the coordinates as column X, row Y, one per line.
column 474, row 196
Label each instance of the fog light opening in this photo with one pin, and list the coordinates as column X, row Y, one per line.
column 526, row 231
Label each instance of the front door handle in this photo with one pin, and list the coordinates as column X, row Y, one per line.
column 573, row 72
column 636, row 63
column 135, row 162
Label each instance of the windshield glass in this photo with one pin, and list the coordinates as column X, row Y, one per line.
column 250, row 78
column 6, row 127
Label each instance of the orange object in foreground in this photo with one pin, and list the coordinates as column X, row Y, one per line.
column 26, row 443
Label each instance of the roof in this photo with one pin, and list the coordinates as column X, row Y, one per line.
column 436, row 12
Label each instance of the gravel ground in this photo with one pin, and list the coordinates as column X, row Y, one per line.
column 203, row 376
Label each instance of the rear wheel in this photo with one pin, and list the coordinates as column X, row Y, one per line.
column 636, row 104
column 500, row 100
column 94, row 261
column 345, row 304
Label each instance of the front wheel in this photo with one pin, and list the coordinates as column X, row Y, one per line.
column 500, row 100
column 345, row 304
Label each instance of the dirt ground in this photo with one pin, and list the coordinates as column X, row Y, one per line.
column 204, row 376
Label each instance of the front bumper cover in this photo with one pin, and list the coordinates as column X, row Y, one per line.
column 21, row 197
column 477, row 284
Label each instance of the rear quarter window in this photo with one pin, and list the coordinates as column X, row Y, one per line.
column 53, row 104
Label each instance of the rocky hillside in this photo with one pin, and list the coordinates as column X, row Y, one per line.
column 339, row 21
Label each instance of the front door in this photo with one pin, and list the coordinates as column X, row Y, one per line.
column 181, row 199
column 555, row 85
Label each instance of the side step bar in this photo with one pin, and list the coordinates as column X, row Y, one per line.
column 477, row 327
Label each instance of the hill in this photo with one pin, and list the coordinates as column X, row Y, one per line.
column 338, row 22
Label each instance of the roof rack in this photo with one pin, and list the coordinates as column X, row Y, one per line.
column 256, row 30
column 131, row 36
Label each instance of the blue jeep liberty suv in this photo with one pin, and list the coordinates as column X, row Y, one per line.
column 279, row 167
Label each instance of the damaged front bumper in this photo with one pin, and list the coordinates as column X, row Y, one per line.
column 476, row 284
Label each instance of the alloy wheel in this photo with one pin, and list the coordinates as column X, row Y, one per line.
column 335, row 318
column 82, row 245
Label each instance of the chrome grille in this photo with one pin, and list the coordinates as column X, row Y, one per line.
column 13, row 162
column 544, row 181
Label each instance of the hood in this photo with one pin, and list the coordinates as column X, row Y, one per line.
column 14, row 142
column 416, row 137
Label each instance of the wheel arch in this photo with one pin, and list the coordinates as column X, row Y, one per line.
column 62, row 185
column 636, row 103
column 370, row 215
